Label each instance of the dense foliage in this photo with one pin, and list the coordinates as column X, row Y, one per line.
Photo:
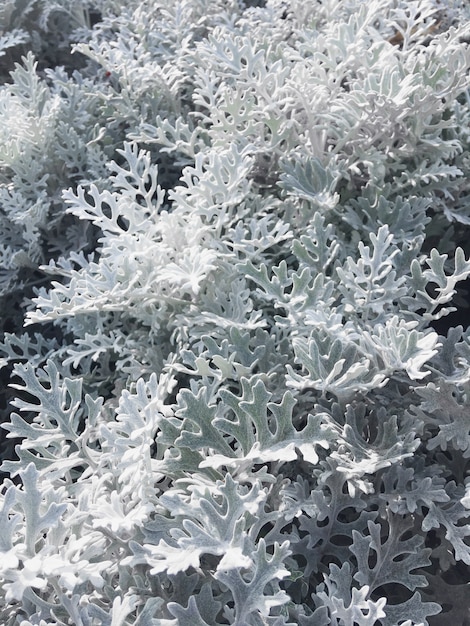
column 235, row 363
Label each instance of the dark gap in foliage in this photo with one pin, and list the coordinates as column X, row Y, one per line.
column 341, row 540
column 394, row 592
column 348, row 515
column 458, row 574
column 321, row 523
column 460, row 317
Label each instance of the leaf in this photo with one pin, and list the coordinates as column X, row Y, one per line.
column 135, row 203
column 319, row 247
column 204, row 604
column 454, row 597
column 445, row 408
column 348, row 605
column 197, row 430
column 405, row 216
column 359, row 454
column 433, row 287
column 190, row 615
column 126, row 446
column 263, row 431
column 399, row 346
column 217, row 181
column 330, row 515
column 56, row 433
column 300, row 293
column 31, row 501
column 412, row 612
column 407, row 490
column 9, row 519
column 206, row 521
column 256, row 592
column 394, row 557
column 333, row 365
column 309, row 179
column 455, row 519
column 367, row 284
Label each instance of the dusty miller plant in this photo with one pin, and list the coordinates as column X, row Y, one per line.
column 234, row 237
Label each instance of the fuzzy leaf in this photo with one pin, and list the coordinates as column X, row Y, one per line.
column 394, row 558
column 207, row 521
column 263, row 431
column 31, row 502
column 348, row 605
column 256, row 592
